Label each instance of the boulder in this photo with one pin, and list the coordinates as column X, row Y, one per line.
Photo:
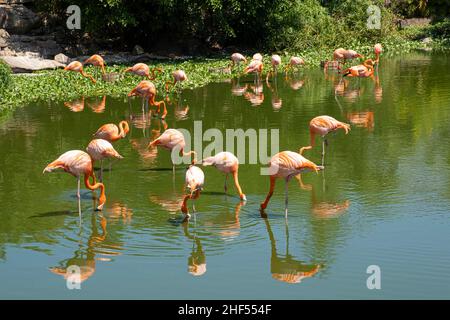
column 4, row 38
column 17, row 19
column 62, row 58
column 27, row 64
column 137, row 50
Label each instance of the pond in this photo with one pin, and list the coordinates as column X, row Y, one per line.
column 383, row 199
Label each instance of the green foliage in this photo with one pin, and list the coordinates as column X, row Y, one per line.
column 5, row 77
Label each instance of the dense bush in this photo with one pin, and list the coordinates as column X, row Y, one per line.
column 5, row 76
column 268, row 24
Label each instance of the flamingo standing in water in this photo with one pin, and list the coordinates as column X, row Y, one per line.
column 294, row 62
column 227, row 163
column 255, row 66
column 178, row 76
column 342, row 55
column 96, row 61
column 77, row 66
column 147, row 89
column 322, row 125
column 287, row 164
column 100, row 149
column 378, row 49
column 364, row 70
column 173, row 139
column 110, row 132
column 77, row 163
column 195, row 179
column 275, row 60
column 236, row 59
column 143, row 70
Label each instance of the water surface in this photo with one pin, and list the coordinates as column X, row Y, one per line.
column 383, row 199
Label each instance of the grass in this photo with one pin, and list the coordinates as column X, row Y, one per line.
column 60, row 85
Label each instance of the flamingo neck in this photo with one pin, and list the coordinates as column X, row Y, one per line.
column 87, row 183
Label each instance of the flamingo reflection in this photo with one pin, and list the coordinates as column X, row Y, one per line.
column 75, row 105
column 197, row 259
column 284, row 267
column 98, row 106
column 364, row 119
column 236, row 88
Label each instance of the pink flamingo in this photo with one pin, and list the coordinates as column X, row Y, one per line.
column 77, row 66
column 255, row 66
column 378, row 49
column 143, row 70
column 294, row 62
column 257, row 56
column 236, row 59
column 77, row 162
column 195, row 179
column 96, row 61
column 342, row 55
column 322, row 125
column 173, row 139
column 100, row 149
column 364, row 70
column 227, row 163
column 147, row 90
column 178, row 76
column 287, row 164
column 275, row 60
column 111, row 132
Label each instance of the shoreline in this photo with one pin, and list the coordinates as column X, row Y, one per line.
column 58, row 85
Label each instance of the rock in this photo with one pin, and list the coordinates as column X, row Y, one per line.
column 17, row 18
column 4, row 38
column 27, row 64
column 138, row 50
column 62, row 58
column 41, row 46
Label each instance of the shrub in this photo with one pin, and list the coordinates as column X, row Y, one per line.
column 5, row 76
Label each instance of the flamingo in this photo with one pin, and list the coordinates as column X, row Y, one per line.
column 323, row 125
column 341, row 55
column 173, row 139
column 77, row 66
column 147, row 89
column 378, row 49
column 77, row 162
column 287, row 164
column 275, row 60
column 255, row 66
column 195, row 179
column 257, row 56
column 143, row 70
column 178, row 76
column 227, row 163
column 100, row 149
column 96, row 61
column 295, row 62
column 236, row 59
column 361, row 71
column 111, row 132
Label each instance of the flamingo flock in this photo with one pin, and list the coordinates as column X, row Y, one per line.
column 284, row 165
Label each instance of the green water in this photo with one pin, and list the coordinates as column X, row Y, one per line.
column 383, row 199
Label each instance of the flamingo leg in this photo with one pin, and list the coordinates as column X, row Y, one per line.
column 286, row 192
column 101, row 170
column 225, row 185
column 79, row 199
column 323, row 149
column 143, row 105
column 269, row 195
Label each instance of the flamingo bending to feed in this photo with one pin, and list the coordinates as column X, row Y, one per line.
column 143, row 70
column 236, row 59
column 96, row 61
column 322, row 125
column 77, row 66
column 178, row 76
column 147, row 89
column 364, row 70
column 295, row 62
column 195, row 179
column 227, row 163
column 110, row 132
column 100, row 149
column 77, row 162
column 255, row 66
column 275, row 60
column 342, row 55
column 287, row 164
column 173, row 139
